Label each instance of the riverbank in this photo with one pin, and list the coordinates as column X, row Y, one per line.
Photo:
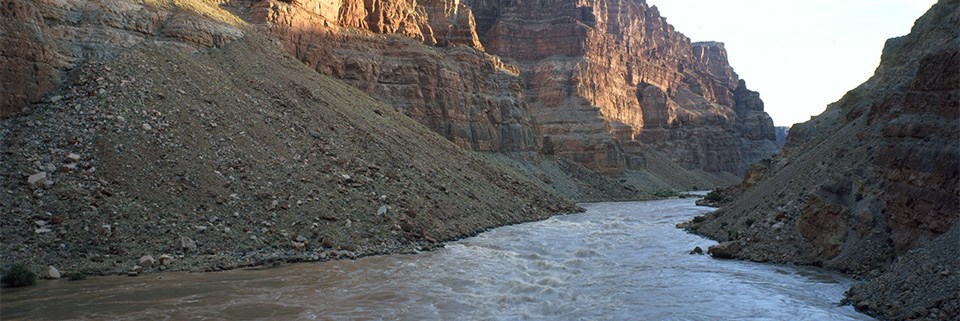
column 621, row 260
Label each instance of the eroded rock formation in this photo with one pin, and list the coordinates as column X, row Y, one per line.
column 598, row 81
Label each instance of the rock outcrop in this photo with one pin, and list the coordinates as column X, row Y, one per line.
column 873, row 178
column 598, row 83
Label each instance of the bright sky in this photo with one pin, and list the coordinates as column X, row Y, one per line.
column 799, row 54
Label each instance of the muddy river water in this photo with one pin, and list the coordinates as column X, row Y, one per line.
column 617, row 261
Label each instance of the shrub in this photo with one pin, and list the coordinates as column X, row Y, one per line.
column 19, row 275
column 715, row 197
column 664, row 194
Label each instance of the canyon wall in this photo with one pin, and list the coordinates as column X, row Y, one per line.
column 435, row 73
column 869, row 181
column 597, row 82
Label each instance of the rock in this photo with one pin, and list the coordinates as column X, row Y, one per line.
column 146, row 261
column 697, row 250
column 299, row 246
column 56, row 99
column 136, row 268
column 147, row 127
column 165, row 259
column 37, row 180
column 327, row 243
column 724, row 250
column 132, row 273
column 42, row 230
column 73, row 158
column 315, row 134
column 187, row 244
column 52, row 272
column 301, row 238
column 382, row 210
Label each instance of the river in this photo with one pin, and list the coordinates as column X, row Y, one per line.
column 617, row 261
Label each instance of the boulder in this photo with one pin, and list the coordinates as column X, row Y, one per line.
column 146, row 261
column 37, row 180
column 697, row 250
column 187, row 243
column 725, row 250
column 165, row 260
column 52, row 272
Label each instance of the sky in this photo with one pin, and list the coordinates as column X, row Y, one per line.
column 799, row 54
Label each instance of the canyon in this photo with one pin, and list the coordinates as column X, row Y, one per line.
column 221, row 134
column 604, row 87
column 602, row 84
column 872, row 185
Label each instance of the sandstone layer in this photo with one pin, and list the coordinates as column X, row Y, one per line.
column 869, row 181
column 228, row 153
column 599, row 83
column 606, row 79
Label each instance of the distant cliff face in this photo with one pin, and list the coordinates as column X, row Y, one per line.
column 782, row 132
column 606, row 78
column 873, row 177
column 593, row 82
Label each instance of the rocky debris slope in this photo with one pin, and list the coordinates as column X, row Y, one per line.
column 871, row 180
column 600, row 84
column 217, row 158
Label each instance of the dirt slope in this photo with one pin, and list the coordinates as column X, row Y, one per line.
column 235, row 156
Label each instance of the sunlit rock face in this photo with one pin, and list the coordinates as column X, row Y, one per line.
column 424, row 58
column 600, row 80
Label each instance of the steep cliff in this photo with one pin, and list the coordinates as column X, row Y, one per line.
column 606, row 79
column 435, row 73
column 597, row 83
column 869, row 181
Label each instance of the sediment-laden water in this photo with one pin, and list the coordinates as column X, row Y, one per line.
column 617, row 261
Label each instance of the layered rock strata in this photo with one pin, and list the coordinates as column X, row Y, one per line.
column 606, row 78
column 597, row 82
column 873, row 178
column 436, row 73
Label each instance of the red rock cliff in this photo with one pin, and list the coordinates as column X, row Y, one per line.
column 606, row 78
column 429, row 65
column 600, row 81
